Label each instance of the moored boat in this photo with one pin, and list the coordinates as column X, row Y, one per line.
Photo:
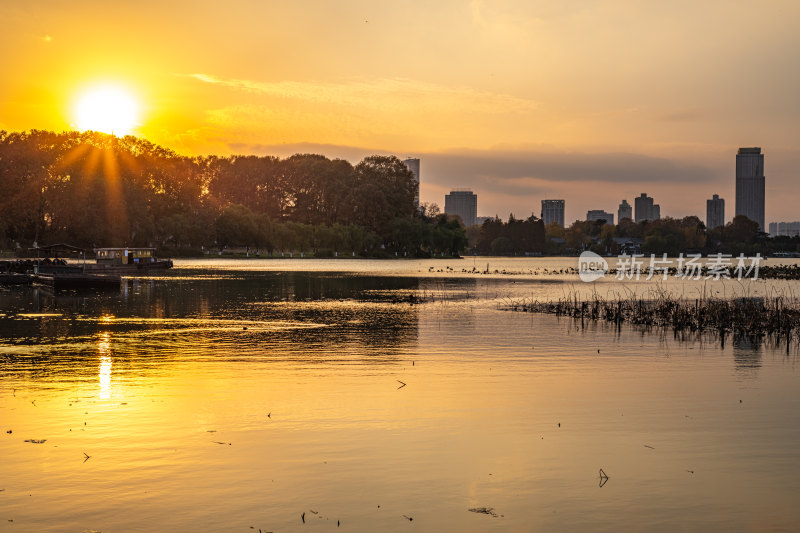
column 127, row 261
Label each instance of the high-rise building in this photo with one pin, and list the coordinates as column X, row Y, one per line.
column 413, row 166
column 624, row 211
column 750, row 185
column 715, row 212
column 784, row 229
column 646, row 209
column 599, row 214
column 464, row 203
column 553, row 211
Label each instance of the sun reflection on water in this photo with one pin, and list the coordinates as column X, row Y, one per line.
column 104, row 374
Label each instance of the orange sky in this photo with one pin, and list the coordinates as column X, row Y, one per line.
column 520, row 100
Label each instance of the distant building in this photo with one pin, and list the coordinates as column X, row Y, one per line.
column 464, row 203
column 629, row 245
column 624, row 211
column 480, row 220
column 553, row 211
column 784, row 229
column 599, row 214
column 413, row 166
column 715, row 212
column 646, row 209
column 750, row 185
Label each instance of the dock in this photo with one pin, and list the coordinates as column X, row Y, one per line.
column 77, row 281
column 15, row 278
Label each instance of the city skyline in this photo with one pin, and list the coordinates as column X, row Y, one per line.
column 750, row 200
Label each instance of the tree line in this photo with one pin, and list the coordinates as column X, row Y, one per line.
column 667, row 235
column 92, row 190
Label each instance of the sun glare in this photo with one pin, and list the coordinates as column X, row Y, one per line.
column 108, row 109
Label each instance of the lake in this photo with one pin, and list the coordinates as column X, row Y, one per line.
column 319, row 395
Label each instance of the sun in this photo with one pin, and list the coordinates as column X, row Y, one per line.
column 108, row 109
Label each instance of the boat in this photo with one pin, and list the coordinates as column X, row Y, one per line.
column 127, row 261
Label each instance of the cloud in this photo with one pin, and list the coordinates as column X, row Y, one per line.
column 619, row 167
column 517, row 179
column 685, row 115
column 516, row 168
column 381, row 93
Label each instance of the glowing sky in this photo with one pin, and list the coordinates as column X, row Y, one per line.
column 521, row 100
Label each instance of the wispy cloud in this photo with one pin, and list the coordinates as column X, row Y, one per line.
column 381, row 92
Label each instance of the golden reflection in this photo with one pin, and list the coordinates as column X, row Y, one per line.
column 106, row 319
column 104, row 375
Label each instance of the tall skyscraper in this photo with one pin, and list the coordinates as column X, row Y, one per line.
column 464, row 203
column 413, row 166
column 553, row 211
column 599, row 214
column 646, row 209
column 624, row 211
column 715, row 212
column 750, row 185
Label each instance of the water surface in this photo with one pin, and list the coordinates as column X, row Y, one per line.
column 230, row 395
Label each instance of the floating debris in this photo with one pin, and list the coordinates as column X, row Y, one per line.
column 220, row 442
column 408, row 518
column 402, row 384
column 303, row 517
column 36, row 441
column 648, row 446
column 484, row 510
column 87, row 457
column 603, row 478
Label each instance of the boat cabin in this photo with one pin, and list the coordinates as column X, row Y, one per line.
column 125, row 256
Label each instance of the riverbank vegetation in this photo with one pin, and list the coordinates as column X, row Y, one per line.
column 776, row 316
